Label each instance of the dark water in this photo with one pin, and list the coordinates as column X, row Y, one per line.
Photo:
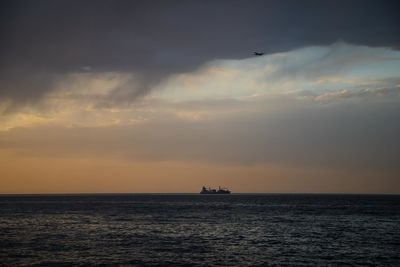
column 200, row 230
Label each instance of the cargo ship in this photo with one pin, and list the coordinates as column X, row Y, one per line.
column 211, row 191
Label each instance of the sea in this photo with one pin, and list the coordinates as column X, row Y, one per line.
column 200, row 230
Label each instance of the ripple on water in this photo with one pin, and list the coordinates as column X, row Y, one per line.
column 237, row 230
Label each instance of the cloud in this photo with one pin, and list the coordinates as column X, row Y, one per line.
column 45, row 42
column 220, row 88
column 354, row 136
column 312, row 71
column 276, row 109
column 372, row 94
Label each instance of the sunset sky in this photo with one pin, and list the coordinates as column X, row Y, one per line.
column 167, row 96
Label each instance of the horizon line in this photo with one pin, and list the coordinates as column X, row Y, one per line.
column 190, row 193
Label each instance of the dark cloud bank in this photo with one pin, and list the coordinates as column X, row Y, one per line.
column 44, row 40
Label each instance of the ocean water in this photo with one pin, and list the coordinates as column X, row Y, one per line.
column 200, row 230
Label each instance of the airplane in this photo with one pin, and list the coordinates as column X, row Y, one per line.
column 258, row 53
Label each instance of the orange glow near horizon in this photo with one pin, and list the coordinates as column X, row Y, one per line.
column 113, row 175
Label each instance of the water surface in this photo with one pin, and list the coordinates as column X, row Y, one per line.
column 199, row 230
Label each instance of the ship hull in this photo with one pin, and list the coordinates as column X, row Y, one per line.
column 215, row 193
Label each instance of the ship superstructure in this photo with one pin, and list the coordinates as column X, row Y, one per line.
column 212, row 191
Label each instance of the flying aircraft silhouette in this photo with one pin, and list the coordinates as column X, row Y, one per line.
column 258, row 53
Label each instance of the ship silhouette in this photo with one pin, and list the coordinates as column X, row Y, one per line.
column 212, row 191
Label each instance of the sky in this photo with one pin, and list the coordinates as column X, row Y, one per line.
column 167, row 96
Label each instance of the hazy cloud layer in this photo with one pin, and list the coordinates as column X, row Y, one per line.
column 348, row 135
